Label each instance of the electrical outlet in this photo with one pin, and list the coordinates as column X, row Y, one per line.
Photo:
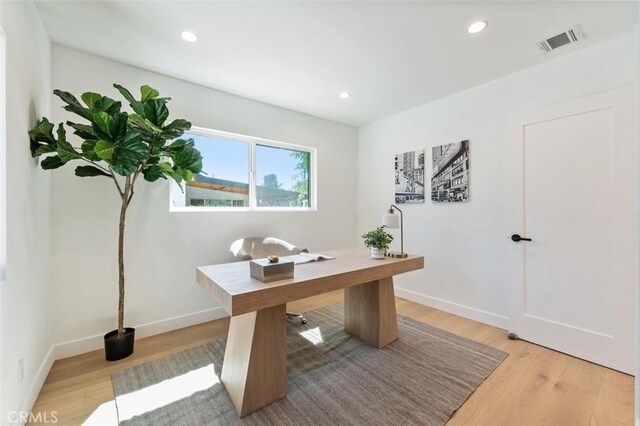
column 20, row 371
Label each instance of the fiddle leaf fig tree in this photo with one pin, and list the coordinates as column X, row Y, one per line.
column 120, row 146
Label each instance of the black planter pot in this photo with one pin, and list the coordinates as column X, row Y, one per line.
column 115, row 347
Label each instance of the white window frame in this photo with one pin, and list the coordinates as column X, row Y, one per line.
column 252, row 142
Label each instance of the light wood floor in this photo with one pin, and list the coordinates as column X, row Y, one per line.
column 533, row 386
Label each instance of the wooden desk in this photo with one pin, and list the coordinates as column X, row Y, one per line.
column 254, row 371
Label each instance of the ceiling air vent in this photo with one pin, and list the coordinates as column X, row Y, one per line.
column 572, row 35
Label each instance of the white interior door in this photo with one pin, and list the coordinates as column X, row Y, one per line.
column 574, row 194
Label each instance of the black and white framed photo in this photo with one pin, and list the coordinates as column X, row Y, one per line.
column 450, row 174
column 409, row 177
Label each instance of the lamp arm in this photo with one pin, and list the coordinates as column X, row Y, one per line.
column 391, row 208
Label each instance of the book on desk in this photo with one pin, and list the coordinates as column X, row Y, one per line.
column 306, row 258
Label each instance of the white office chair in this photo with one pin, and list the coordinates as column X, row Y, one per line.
column 261, row 247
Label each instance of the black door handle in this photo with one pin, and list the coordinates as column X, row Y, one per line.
column 517, row 238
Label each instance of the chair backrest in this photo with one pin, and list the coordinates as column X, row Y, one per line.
column 261, row 247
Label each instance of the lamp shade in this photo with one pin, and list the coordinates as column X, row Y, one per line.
column 391, row 220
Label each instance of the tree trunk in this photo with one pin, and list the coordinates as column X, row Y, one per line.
column 123, row 214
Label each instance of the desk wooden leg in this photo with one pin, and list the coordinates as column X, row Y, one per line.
column 370, row 312
column 254, row 371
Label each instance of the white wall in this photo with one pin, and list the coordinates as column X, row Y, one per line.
column 163, row 248
column 3, row 188
column 637, row 387
column 464, row 244
column 25, row 297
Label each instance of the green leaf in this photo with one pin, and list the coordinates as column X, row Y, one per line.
column 129, row 154
column 119, row 129
column 187, row 158
column 135, row 105
column 104, row 149
column 176, row 174
column 110, row 127
column 176, row 128
column 187, row 175
column 90, row 171
column 103, row 122
column 134, row 146
column 124, row 167
column 148, row 92
column 140, row 123
column 124, row 92
column 83, row 130
column 157, row 142
column 178, row 145
column 66, row 152
column 108, row 105
column 73, row 105
column 166, row 167
column 52, row 162
column 67, row 98
column 197, row 166
column 155, row 110
column 43, row 131
column 41, row 139
column 90, row 99
column 153, row 173
column 89, row 150
column 44, row 149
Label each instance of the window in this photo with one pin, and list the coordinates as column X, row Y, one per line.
column 283, row 177
column 224, row 181
column 245, row 173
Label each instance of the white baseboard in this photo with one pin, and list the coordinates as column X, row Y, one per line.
column 485, row 317
column 36, row 384
column 92, row 343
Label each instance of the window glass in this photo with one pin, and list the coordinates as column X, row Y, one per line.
column 282, row 177
column 224, row 181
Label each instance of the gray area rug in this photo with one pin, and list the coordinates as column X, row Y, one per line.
column 334, row 379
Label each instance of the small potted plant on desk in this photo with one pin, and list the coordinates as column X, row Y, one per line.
column 378, row 241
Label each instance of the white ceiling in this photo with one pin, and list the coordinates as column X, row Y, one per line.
column 391, row 56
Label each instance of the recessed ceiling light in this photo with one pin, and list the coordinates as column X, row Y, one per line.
column 476, row 27
column 345, row 95
column 189, row 36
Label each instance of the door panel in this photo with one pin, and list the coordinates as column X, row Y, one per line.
column 567, row 207
column 573, row 284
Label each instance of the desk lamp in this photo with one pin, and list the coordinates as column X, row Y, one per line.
column 393, row 221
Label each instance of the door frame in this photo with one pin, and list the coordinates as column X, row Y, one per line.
column 514, row 253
